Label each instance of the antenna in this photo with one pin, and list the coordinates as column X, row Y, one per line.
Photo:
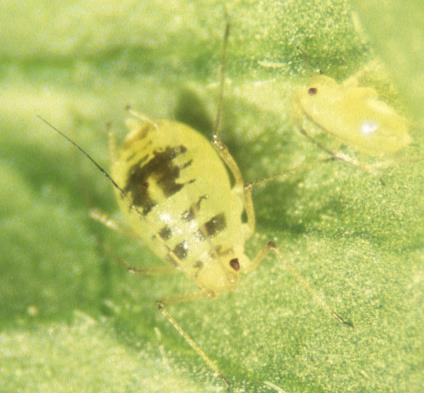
column 93, row 161
column 218, row 120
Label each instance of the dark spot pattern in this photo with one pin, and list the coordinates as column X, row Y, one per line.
column 131, row 156
column 224, row 251
column 180, row 250
column 199, row 235
column 235, row 264
column 198, row 265
column 161, row 169
column 312, row 91
column 215, row 225
column 190, row 214
column 220, row 251
column 165, row 233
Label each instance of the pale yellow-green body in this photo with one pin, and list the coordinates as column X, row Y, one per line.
column 352, row 114
column 179, row 200
column 174, row 187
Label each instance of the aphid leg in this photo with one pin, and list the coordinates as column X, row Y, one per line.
column 271, row 64
column 141, row 116
column 271, row 246
column 162, row 307
column 244, row 191
column 260, row 256
column 108, row 222
column 145, row 271
column 250, row 209
column 162, row 351
column 302, row 167
column 104, row 219
column 336, row 156
column 228, row 159
column 319, row 300
column 274, row 386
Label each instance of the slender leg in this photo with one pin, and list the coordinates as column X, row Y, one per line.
column 162, row 349
column 286, row 174
column 271, row 246
column 162, row 307
column 260, row 256
column 336, row 156
column 140, row 116
column 111, row 224
column 305, row 284
column 108, row 222
column 228, row 159
column 274, row 386
column 272, row 64
column 250, row 210
column 244, row 191
column 145, row 271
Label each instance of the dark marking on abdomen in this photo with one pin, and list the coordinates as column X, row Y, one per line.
column 215, row 225
column 190, row 214
column 165, row 233
column 181, row 250
column 160, row 169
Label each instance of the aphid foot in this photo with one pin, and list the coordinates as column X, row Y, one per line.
column 345, row 322
column 161, row 306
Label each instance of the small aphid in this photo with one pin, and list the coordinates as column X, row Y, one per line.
column 174, row 187
column 354, row 115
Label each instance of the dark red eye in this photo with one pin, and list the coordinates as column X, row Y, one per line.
column 312, row 91
column 235, row 264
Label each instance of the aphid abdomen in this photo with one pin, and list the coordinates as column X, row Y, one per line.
column 359, row 118
column 178, row 195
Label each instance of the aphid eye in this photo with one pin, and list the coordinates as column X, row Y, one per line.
column 235, row 264
column 312, row 91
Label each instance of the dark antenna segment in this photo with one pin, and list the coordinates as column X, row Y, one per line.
column 218, row 120
column 93, row 161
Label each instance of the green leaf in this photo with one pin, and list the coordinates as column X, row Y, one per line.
column 72, row 319
column 395, row 30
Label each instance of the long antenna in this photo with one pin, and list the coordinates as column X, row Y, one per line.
column 218, row 120
column 93, row 161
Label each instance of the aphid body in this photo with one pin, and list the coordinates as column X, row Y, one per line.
column 179, row 200
column 354, row 115
column 185, row 198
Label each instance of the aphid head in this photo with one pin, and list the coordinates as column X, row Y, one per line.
column 316, row 94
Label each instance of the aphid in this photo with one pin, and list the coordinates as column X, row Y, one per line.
column 174, row 187
column 352, row 114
